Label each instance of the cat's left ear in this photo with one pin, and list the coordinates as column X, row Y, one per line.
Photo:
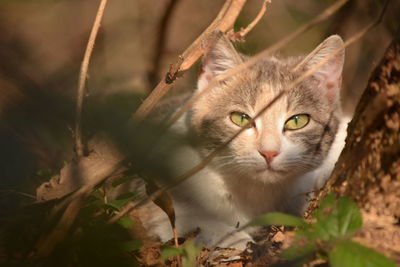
column 327, row 60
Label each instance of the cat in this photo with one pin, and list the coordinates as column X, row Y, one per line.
column 285, row 153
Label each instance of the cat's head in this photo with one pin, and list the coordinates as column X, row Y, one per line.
column 294, row 135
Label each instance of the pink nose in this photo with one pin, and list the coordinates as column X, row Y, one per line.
column 269, row 155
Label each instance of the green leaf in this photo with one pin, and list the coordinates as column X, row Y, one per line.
column 128, row 195
column 122, row 180
column 120, row 201
column 298, row 251
column 325, row 208
column 349, row 216
column 131, row 245
column 191, row 251
column 168, row 252
column 126, row 222
column 45, row 173
column 327, row 227
column 336, row 218
column 98, row 193
column 117, row 203
column 277, row 218
column 351, row 254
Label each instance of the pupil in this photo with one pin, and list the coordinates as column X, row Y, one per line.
column 296, row 118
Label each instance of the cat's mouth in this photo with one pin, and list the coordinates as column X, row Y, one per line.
column 268, row 168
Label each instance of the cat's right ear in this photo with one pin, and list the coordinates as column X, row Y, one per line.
column 327, row 63
column 220, row 57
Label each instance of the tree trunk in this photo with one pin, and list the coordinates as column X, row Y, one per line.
column 368, row 170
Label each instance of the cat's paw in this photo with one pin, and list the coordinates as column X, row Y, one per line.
column 224, row 239
column 238, row 240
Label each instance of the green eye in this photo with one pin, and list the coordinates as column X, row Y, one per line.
column 240, row 119
column 297, row 122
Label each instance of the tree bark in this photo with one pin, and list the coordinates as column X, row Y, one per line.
column 368, row 170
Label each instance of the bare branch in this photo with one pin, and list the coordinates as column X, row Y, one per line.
column 223, row 22
column 11, row 191
column 83, row 76
column 239, row 36
column 160, row 43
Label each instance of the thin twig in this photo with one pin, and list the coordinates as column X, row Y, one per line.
column 214, row 153
column 17, row 192
column 82, row 78
column 88, row 187
column 160, row 43
column 223, row 22
column 239, row 36
column 176, row 242
column 239, row 68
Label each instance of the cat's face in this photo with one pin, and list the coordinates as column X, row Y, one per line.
column 292, row 136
